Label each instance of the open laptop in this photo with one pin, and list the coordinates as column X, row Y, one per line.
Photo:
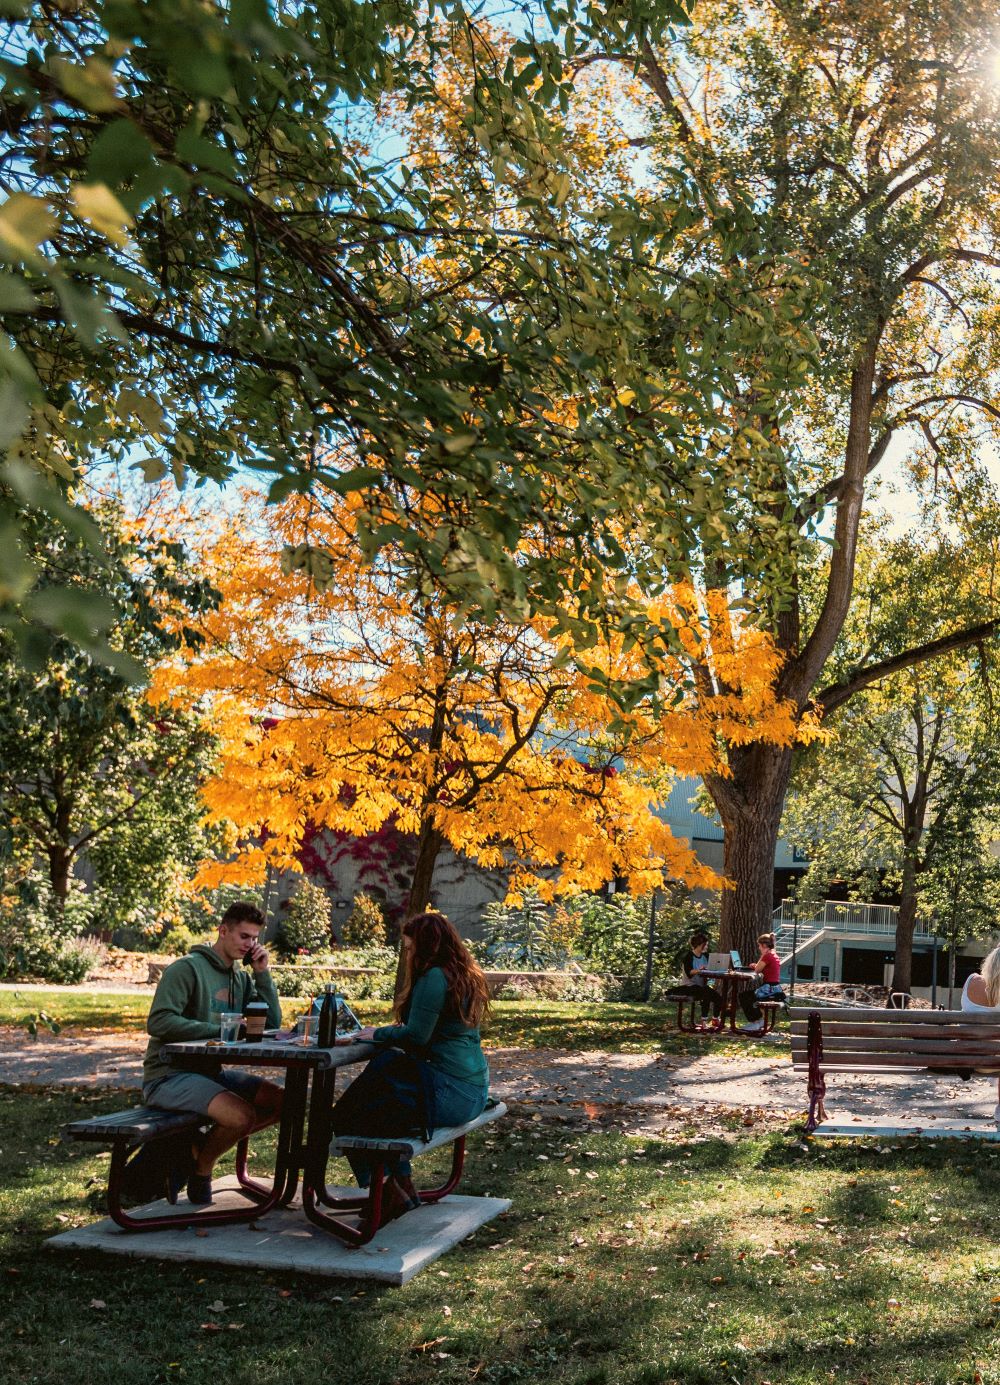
column 724, row 961
column 347, row 1021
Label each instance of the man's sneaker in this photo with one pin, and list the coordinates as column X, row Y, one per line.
column 754, row 1027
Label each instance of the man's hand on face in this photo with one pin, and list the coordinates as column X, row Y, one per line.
column 258, row 957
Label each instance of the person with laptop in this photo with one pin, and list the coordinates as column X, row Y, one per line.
column 768, row 965
column 694, row 964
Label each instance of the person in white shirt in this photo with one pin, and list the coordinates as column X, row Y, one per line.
column 981, row 994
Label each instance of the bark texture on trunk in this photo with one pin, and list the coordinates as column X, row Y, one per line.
column 750, row 805
column 60, row 864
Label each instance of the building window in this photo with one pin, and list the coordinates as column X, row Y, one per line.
column 804, row 971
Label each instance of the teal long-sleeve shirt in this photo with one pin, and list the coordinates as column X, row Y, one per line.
column 450, row 1045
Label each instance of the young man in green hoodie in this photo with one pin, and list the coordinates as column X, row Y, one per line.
column 191, row 995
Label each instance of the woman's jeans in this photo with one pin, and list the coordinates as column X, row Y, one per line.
column 455, row 1102
column 749, row 999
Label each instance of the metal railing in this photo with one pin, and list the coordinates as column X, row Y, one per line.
column 877, row 920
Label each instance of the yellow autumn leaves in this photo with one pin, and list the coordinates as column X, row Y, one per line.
column 370, row 701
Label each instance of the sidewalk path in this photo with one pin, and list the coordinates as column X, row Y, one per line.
column 644, row 1092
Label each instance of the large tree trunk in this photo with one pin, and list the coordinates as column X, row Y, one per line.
column 750, row 805
column 905, row 923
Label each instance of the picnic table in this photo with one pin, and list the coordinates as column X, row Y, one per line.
column 730, row 984
column 304, row 1142
column 304, row 1128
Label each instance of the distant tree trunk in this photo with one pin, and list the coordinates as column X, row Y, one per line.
column 59, row 851
column 429, row 845
column 750, row 805
column 60, row 862
column 906, row 922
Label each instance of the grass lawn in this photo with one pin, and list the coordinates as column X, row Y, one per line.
column 628, row 1028
column 745, row 1262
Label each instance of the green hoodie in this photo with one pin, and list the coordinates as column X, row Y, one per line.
column 191, row 995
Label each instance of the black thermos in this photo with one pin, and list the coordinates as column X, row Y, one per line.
column 328, row 1017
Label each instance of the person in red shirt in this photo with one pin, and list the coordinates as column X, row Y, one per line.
column 769, row 967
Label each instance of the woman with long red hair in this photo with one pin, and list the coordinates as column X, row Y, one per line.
column 441, row 1077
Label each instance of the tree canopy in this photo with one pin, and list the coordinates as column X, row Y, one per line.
column 222, row 254
column 857, row 140
column 345, row 707
column 904, row 796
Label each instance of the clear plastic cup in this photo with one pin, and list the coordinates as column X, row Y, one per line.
column 230, row 1023
column 306, row 1029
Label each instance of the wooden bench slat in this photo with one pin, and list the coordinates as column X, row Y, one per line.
column 140, row 1124
column 883, row 1043
column 972, row 1033
column 410, row 1147
column 842, row 1057
column 945, row 1070
column 800, row 1014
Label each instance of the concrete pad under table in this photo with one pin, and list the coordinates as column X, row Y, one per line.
column 924, row 1130
column 283, row 1240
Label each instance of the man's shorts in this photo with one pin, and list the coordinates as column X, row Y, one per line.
column 193, row 1091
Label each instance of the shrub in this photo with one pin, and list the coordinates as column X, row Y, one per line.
column 75, row 960
column 365, row 924
column 29, row 948
column 384, row 958
column 586, row 989
column 132, row 939
column 178, row 941
column 614, row 934
column 38, row 938
column 305, row 979
column 544, row 985
column 520, row 935
column 307, row 926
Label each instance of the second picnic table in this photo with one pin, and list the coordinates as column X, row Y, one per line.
column 732, row 982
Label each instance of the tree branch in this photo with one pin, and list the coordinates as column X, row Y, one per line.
column 838, row 693
column 832, row 490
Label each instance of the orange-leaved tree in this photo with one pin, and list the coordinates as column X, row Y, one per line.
column 352, row 696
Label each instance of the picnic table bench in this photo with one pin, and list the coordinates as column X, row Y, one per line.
column 368, row 1202
column 690, row 1000
column 128, row 1131
column 870, row 1042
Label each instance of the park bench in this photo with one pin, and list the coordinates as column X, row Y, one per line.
column 128, row 1131
column 368, row 1202
column 870, row 1042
